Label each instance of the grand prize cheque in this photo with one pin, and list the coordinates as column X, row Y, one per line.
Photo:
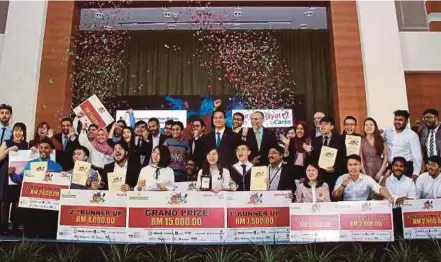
column 258, row 216
column 369, row 221
column 176, row 217
column 422, row 219
column 92, row 215
column 314, row 222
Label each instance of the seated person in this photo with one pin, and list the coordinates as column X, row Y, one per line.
column 82, row 154
column 428, row 184
column 241, row 171
column 157, row 176
column 281, row 176
column 399, row 186
column 192, row 170
column 212, row 176
column 356, row 186
column 312, row 189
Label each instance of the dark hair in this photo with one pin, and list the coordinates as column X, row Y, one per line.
column 298, row 142
column 66, row 119
column 92, row 125
column 122, row 144
column 436, row 159
column 218, row 111
column 48, row 141
column 20, row 126
column 431, row 111
column 84, row 149
column 131, row 144
column 178, row 123
column 353, row 157
column 36, row 136
column 279, row 149
column 122, row 122
column 243, row 143
column 154, row 119
column 350, row 118
column 259, row 112
column 289, row 129
column 198, row 120
column 164, row 156
column 239, row 114
column 319, row 176
column 169, row 122
column 327, row 119
column 140, row 122
column 403, row 113
column 399, row 159
column 378, row 138
column 206, row 165
column 7, row 107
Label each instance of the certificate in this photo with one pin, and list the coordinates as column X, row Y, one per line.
column 116, row 180
column 259, row 178
column 81, row 172
column 327, row 157
column 38, row 168
column 353, row 144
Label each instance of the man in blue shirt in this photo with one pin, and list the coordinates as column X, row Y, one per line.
column 5, row 126
column 37, row 222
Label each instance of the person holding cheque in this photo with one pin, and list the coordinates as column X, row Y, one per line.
column 122, row 174
column 83, row 176
column 356, row 186
column 212, row 176
column 157, row 176
column 312, row 189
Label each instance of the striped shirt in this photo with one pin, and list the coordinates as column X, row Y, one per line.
column 179, row 150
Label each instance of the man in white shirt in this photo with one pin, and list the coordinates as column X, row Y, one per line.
column 431, row 134
column 428, row 185
column 402, row 141
column 400, row 187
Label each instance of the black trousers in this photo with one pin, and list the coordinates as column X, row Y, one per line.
column 398, row 222
column 40, row 223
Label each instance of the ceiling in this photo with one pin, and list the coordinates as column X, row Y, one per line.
column 183, row 18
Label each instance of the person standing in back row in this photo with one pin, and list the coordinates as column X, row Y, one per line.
column 261, row 139
column 431, row 134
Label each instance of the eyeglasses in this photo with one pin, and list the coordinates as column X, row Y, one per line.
column 434, row 165
column 428, row 117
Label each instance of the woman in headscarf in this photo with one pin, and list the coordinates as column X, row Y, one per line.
column 157, row 176
column 101, row 153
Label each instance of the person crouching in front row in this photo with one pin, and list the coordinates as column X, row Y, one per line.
column 213, row 177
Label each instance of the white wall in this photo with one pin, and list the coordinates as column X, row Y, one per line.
column 382, row 60
column 421, row 51
column 21, row 58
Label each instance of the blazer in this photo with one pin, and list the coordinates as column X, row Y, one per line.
column 227, row 148
column 243, row 183
column 423, row 139
column 197, row 151
column 287, row 178
column 146, row 148
column 64, row 157
column 269, row 140
column 133, row 170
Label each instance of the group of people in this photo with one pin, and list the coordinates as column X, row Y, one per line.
column 389, row 164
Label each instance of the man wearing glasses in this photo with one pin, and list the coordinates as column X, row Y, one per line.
column 179, row 151
column 428, row 184
column 431, row 134
column 196, row 146
column 5, row 127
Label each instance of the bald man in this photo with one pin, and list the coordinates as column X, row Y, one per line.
column 316, row 131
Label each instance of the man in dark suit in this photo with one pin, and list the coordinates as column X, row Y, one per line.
column 122, row 165
column 333, row 140
column 431, row 135
column 149, row 140
column 69, row 142
column 222, row 138
column 260, row 139
column 197, row 152
column 281, row 176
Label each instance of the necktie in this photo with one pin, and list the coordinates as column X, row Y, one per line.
column 244, row 169
column 431, row 140
column 218, row 139
column 258, row 138
column 65, row 142
column 156, row 173
column 325, row 143
column 3, row 134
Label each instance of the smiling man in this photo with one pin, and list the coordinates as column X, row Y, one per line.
column 431, row 134
column 5, row 125
column 241, row 171
column 428, row 184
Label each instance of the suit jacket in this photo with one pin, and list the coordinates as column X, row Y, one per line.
column 64, row 157
column 287, row 178
column 269, row 140
column 146, row 148
column 133, row 170
column 242, row 182
column 425, row 136
column 338, row 143
column 197, row 150
column 227, row 148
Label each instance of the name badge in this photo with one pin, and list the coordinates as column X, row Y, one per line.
column 205, row 183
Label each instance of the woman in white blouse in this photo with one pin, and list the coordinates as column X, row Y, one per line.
column 157, row 176
column 212, row 177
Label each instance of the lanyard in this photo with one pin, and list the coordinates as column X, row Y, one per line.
column 275, row 175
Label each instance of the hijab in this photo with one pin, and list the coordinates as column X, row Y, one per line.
column 102, row 147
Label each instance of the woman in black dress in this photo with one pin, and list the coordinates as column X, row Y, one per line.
column 9, row 194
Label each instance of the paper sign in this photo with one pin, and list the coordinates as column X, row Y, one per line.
column 81, row 172
column 18, row 159
column 161, row 115
column 259, row 178
column 353, row 144
column 273, row 117
column 116, row 180
column 94, row 112
column 327, row 157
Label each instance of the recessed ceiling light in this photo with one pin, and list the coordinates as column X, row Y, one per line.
column 238, row 8
column 303, row 26
column 164, row 8
column 309, row 13
column 167, row 14
column 236, row 26
column 98, row 15
column 107, row 27
column 312, row 8
column 171, row 26
column 237, row 13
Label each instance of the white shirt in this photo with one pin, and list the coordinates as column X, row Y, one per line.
column 120, row 169
column 97, row 158
column 358, row 190
column 274, row 176
column 427, row 187
column 155, row 141
column 432, row 132
column 405, row 187
column 216, row 180
column 405, row 144
column 166, row 177
column 238, row 166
